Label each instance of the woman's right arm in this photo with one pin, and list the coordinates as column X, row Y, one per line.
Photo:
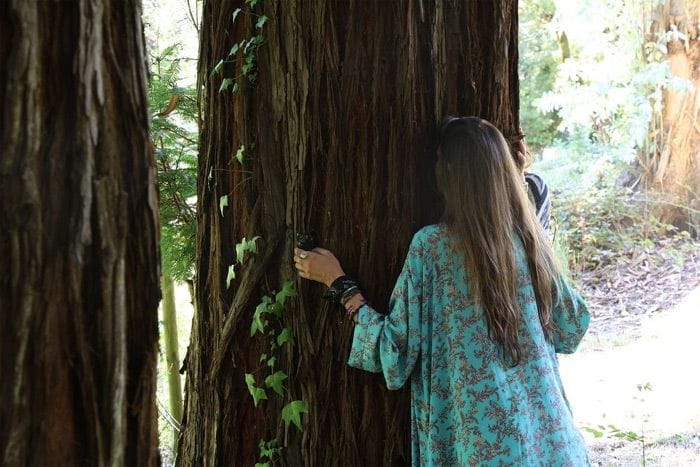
column 391, row 343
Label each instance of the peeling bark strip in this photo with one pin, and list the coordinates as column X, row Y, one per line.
column 78, row 237
column 342, row 118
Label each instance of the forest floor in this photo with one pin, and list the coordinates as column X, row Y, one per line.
column 634, row 384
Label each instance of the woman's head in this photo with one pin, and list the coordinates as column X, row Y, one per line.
column 486, row 207
column 475, row 167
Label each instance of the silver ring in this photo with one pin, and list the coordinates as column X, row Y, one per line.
column 303, row 255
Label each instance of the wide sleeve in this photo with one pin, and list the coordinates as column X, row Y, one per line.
column 391, row 343
column 571, row 318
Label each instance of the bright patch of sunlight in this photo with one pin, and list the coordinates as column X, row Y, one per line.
column 602, row 386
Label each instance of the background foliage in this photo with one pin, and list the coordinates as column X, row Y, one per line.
column 174, row 134
column 590, row 86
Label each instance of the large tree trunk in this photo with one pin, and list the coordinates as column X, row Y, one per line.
column 342, row 119
column 79, row 284
column 673, row 164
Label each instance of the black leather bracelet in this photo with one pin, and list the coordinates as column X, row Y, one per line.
column 339, row 287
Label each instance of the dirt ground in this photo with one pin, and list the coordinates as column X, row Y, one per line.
column 641, row 377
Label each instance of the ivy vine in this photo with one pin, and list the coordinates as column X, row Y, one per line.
column 267, row 321
column 267, row 380
column 243, row 53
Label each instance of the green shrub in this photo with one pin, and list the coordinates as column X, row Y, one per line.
column 601, row 224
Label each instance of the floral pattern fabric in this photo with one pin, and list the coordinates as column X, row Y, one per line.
column 468, row 407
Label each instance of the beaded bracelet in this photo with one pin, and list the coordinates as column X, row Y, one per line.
column 351, row 309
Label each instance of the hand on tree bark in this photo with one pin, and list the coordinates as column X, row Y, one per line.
column 318, row 265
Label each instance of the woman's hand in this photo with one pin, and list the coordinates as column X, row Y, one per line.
column 317, row 265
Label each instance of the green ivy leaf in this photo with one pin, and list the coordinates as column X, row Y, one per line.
column 252, row 3
column 593, row 431
column 234, row 49
column 257, row 393
column 255, row 327
column 249, row 380
column 217, row 68
column 226, row 83
column 266, row 464
column 230, row 276
column 223, row 202
column 248, row 64
column 285, row 336
column 247, row 46
column 269, row 449
column 246, row 246
column 287, row 291
column 274, row 382
column 258, row 324
column 271, row 362
column 236, row 12
column 261, row 22
column 263, row 357
column 240, row 153
column 292, row 413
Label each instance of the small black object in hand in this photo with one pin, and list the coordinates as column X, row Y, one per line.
column 306, row 241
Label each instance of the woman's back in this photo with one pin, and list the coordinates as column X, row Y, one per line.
column 475, row 317
column 468, row 405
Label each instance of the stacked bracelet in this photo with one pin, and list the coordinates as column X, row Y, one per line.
column 348, row 294
column 340, row 288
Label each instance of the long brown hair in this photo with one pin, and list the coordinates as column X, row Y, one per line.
column 486, row 207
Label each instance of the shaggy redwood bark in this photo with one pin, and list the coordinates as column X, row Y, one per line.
column 673, row 164
column 342, row 119
column 79, row 284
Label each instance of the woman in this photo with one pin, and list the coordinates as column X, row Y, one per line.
column 475, row 319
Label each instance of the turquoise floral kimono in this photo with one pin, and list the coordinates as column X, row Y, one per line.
column 467, row 406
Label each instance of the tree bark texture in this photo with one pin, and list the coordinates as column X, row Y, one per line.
column 339, row 130
column 79, row 286
column 673, row 167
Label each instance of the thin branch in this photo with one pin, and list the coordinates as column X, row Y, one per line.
column 192, row 15
column 167, row 417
